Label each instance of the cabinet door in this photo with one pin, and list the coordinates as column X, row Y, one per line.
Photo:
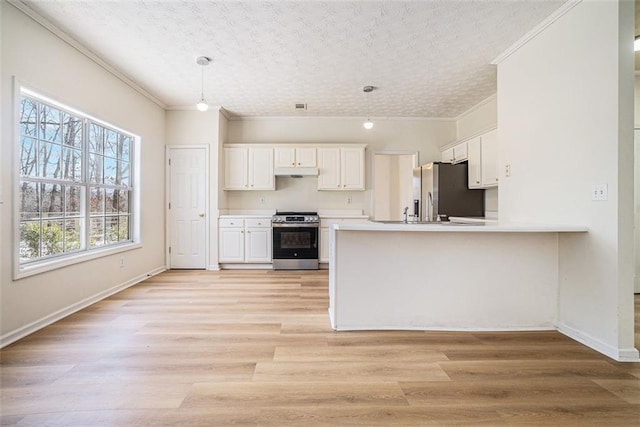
column 258, row 244
column 474, row 153
column 261, row 175
column 329, row 169
column 352, row 168
column 489, row 157
column 285, row 157
column 324, row 244
column 460, row 153
column 235, row 168
column 231, row 245
column 447, row 156
column 306, row 157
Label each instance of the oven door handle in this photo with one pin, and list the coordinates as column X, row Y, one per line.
column 277, row 225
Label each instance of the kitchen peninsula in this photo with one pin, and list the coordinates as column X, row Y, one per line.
column 492, row 276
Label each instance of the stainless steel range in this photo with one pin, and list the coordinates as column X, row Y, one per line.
column 295, row 240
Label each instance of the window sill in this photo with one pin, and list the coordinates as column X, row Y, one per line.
column 54, row 264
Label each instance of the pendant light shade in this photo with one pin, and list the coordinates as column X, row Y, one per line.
column 367, row 90
column 203, row 61
column 202, row 105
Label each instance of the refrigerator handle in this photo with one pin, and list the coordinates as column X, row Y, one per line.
column 430, row 207
column 416, row 208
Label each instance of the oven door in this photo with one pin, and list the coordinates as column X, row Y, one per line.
column 295, row 242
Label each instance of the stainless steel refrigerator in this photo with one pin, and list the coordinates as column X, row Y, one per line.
column 440, row 190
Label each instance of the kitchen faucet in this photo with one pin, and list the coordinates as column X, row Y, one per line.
column 406, row 209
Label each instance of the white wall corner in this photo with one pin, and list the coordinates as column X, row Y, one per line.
column 71, row 41
column 478, row 105
column 23, row 331
column 618, row 354
column 566, row 7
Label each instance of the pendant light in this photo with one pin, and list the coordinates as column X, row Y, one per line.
column 203, row 61
column 367, row 90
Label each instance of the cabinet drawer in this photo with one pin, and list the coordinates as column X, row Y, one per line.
column 231, row 222
column 258, row 222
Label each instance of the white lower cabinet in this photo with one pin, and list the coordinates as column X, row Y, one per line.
column 245, row 240
column 257, row 244
column 324, row 244
column 325, row 225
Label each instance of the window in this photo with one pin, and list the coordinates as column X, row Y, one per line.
column 75, row 193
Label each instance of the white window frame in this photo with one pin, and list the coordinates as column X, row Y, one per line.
column 51, row 263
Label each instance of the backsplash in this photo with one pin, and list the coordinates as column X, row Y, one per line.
column 296, row 194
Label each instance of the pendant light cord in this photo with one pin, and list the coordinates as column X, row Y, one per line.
column 202, row 83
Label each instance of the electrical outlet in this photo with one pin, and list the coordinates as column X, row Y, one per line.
column 349, row 200
column 262, row 200
column 600, row 192
column 507, row 171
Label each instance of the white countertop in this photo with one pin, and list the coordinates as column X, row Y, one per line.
column 492, row 227
column 247, row 214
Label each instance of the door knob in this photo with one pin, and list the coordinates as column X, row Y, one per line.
column 201, row 214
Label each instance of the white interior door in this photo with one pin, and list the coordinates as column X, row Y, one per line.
column 188, row 207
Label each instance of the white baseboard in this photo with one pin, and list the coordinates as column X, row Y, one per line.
column 214, row 267
column 440, row 328
column 246, row 266
column 23, row 331
column 618, row 354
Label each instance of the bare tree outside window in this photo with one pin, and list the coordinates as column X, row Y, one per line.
column 63, row 208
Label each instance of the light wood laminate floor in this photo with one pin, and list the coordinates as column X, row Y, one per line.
column 195, row 348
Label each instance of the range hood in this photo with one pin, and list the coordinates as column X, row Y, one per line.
column 295, row 171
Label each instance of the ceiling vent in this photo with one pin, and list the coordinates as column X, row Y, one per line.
column 301, row 107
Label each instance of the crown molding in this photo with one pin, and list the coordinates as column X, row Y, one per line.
column 24, row 8
column 478, row 105
column 566, row 7
column 261, row 118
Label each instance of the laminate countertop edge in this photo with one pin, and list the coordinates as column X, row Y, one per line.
column 497, row 227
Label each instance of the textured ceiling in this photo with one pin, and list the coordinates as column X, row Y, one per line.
column 427, row 58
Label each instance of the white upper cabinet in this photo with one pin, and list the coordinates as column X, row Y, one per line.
column 248, row 168
column 294, row 157
column 475, row 158
column 490, row 159
column 261, row 175
column 236, row 167
column 352, row 168
column 329, row 169
column 483, row 160
column 455, row 154
column 341, row 168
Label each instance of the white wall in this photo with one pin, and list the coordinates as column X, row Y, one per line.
column 422, row 135
column 48, row 64
column 565, row 109
column 393, row 186
column 192, row 127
